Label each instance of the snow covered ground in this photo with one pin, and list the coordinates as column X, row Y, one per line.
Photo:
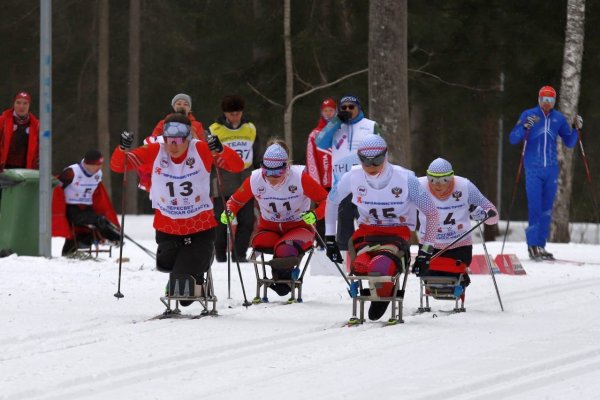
column 65, row 336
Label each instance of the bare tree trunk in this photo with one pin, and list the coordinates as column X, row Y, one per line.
column 569, row 99
column 289, row 76
column 133, row 96
column 259, row 49
column 102, row 106
column 388, row 85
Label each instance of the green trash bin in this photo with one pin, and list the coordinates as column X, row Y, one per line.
column 19, row 211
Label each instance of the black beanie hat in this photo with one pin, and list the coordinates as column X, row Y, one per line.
column 93, row 157
column 232, row 103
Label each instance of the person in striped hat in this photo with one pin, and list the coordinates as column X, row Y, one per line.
column 458, row 201
column 284, row 193
column 387, row 197
column 539, row 129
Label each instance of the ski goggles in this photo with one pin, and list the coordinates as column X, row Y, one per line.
column 546, row 99
column 440, row 179
column 274, row 172
column 372, row 161
column 175, row 140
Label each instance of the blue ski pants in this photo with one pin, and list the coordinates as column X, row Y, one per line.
column 541, row 185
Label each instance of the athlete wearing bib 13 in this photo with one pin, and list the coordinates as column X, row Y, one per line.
column 283, row 193
column 387, row 197
column 180, row 191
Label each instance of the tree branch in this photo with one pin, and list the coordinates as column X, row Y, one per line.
column 476, row 89
column 314, row 89
column 255, row 90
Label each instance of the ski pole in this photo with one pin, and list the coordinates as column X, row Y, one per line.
column 588, row 175
column 442, row 251
column 120, row 295
column 514, row 192
column 336, row 264
column 229, row 231
column 489, row 264
column 144, row 249
column 228, row 264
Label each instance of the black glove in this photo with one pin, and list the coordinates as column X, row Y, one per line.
column 421, row 265
column 214, row 144
column 333, row 251
column 491, row 213
column 577, row 122
column 532, row 119
column 344, row 116
column 126, row 140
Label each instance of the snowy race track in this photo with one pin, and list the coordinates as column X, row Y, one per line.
column 64, row 336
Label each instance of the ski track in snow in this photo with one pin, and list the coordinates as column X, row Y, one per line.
column 543, row 346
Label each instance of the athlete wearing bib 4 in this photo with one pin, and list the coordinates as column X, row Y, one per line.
column 387, row 197
column 283, row 193
column 183, row 215
column 457, row 200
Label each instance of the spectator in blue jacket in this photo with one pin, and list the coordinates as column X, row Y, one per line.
column 539, row 128
column 341, row 136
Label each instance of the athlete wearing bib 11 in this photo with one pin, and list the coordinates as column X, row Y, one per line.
column 283, row 193
column 458, row 200
column 387, row 197
column 180, row 192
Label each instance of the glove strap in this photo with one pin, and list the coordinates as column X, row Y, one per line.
column 427, row 248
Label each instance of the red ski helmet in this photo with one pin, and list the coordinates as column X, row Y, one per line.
column 328, row 103
column 547, row 91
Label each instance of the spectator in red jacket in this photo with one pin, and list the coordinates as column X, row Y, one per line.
column 318, row 161
column 19, row 135
column 182, row 104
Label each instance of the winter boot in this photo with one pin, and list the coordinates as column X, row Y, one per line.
column 377, row 309
column 534, row 253
column 544, row 254
column 280, row 288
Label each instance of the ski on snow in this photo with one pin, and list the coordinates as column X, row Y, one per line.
column 172, row 314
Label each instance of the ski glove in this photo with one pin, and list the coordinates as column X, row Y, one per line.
column 227, row 217
column 126, row 140
column 532, row 119
column 344, row 116
column 214, row 144
column 332, row 249
column 478, row 214
column 421, row 265
column 577, row 122
column 309, row 217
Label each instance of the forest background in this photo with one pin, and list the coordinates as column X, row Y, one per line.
column 473, row 66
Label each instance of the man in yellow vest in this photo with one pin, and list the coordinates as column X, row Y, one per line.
column 237, row 132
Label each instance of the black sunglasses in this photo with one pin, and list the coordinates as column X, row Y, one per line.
column 347, row 107
column 372, row 161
